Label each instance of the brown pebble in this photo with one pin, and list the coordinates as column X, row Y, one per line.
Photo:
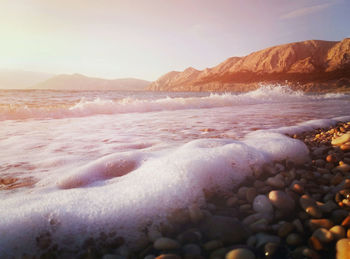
column 315, row 243
column 168, row 256
column 285, row 228
column 331, row 159
column 345, row 147
column 250, row 194
column 346, row 222
column 343, row 249
column 298, row 188
column 294, row 239
column 320, row 223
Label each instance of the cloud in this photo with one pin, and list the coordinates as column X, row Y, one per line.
column 306, row 10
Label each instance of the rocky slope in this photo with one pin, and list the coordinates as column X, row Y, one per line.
column 81, row 82
column 312, row 65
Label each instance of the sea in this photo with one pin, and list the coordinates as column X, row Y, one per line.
column 75, row 164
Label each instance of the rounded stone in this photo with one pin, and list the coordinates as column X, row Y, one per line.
column 165, row 243
column 294, row 239
column 270, row 249
column 168, row 256
column 212, row 245
column 343, row 248
column 338, row 232
column 281, row 200
column 323, row 235
column 275, row 182
column 341, row 140
column 320, row 223
column 240, row 253
column 226, row 229
column 298, row 188
column 262, row 204
column 285, row 228
column 250, row 194
column 191, row 249
column 196, row 215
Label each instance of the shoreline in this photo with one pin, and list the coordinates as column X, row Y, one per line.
column 285, row 211
column 246, row 217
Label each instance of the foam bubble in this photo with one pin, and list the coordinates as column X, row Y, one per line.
column 99, row 197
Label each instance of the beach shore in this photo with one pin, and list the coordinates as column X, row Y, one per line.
column 283, row 211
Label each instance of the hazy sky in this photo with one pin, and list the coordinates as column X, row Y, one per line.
column 147, row 38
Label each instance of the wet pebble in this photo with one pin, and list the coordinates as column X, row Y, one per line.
column 164, row 243
column 240, row 253
column 323, row 235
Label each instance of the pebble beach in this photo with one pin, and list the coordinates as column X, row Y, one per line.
column 214, row 176
column 283, row 211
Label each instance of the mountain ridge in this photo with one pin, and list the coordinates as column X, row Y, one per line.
column 81, row 82
column 312, row 65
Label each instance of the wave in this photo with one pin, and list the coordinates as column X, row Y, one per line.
column 264, row 94
column 125, row 191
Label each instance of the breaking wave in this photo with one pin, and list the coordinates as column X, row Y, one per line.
column 86, row 107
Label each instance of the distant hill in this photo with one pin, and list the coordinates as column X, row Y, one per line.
column 17, row 79
column 312, row 65
column 81, row 82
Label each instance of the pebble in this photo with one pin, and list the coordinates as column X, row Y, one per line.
column 153, row 235
column 270, row 249
column 168, row 256
column 315, row 243
column 242, row 192
column 250, row 194
column 226, row 229
column 294, row 239
column 343, row 248
column 298, row 188
column 298, row 225
column 339, row 215
column 263, row 238
column 345, row 147
column 212, row 245
column 240, row 253
column 196, row 215
column 346, row 222
column 112, row 256
column 344, row 168
column 338, row 232
column 341, row 140
column 164, row 243
column 331, row 159
column 324, row 235
column 281, row 200
column 262, row 204
column 285, row 228
column 310, row 206
column 275, row 182
column 232, row 201
column 320, row 223
column 191, row 249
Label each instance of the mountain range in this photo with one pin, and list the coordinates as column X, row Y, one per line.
column 312, row 65
column 15, row 79
column 81, row 82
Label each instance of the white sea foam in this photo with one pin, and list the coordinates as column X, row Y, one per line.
column 87, row 107
column 124, row 191
column 121, row 171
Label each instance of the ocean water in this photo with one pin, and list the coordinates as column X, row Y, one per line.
column 92, row 162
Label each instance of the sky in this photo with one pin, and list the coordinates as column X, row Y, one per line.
column 147, row 38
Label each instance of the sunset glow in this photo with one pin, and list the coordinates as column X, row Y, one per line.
column 145, row 39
